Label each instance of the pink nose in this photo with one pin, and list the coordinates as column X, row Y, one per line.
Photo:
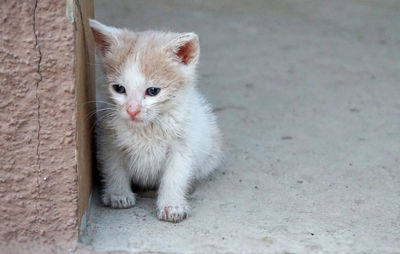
column 132, row 111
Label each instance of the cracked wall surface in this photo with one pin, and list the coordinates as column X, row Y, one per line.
column 38, row 174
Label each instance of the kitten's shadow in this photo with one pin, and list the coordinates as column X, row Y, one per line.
column 152, row 193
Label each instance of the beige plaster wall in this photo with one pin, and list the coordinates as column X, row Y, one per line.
column 38, row 140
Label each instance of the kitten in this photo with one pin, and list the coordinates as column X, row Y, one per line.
column 157, row 130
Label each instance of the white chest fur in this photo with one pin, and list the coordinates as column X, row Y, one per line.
column 144, row 154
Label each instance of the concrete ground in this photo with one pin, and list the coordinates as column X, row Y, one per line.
column 308, row 96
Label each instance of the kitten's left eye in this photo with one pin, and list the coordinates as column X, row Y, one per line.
column 118, row 88
column 152, row 91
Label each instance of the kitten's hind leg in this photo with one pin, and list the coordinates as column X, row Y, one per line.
column 117, row 191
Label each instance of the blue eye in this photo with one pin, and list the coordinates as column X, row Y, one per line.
column 152, row 91
column 118, row 88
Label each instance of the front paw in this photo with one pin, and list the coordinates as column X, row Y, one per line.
column 119, row 200
column 173, row 213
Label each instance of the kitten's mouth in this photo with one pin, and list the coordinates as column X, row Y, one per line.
column 134, row 119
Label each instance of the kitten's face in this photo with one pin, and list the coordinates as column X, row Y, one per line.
column 146, row 73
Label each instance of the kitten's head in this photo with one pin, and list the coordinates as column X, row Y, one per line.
column 146, row 73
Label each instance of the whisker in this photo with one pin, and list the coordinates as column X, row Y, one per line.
column 104, row 102
column 108, row 115
column 101, row 110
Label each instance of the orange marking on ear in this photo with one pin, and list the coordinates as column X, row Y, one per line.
column 101, row 41
column 187, row 52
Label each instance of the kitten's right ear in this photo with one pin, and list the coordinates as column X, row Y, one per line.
column 104, row 36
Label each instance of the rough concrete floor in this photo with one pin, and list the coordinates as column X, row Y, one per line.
column 307, row 94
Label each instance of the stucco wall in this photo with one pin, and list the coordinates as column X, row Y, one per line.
column 38, row 151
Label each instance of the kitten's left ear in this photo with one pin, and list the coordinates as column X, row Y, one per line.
column 187, row 48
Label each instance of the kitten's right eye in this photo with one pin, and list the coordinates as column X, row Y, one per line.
column 118, row 88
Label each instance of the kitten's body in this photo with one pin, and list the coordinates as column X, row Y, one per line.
column 174, row 139
column 145, row 149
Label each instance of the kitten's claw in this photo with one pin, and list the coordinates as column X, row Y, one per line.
column 119, row 200
column 173, row 214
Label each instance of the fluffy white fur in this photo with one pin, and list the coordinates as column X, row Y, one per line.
column 175, row 140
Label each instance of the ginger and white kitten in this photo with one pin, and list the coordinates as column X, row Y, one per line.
column 157, row 130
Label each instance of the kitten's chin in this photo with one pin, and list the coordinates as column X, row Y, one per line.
column 136, row 122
